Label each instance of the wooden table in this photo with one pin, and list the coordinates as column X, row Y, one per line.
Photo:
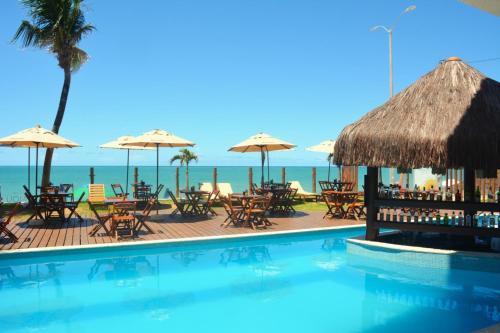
column 53, row 205
column 336, row 200
column 194, row 198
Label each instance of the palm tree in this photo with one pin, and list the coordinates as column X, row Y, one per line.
column 57, row 26
column 185, row 157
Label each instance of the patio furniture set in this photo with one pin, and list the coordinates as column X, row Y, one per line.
column 342, row 200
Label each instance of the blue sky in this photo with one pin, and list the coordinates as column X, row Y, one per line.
column 216, row 72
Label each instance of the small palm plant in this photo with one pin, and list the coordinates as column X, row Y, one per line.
column 185, row 157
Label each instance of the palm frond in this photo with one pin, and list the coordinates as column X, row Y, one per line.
column 78, row 58
column 30, row 35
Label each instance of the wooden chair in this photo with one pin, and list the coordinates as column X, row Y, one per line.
column 123, row 219
column 143, row 216
column 180, row 204
column 356, row 208
column 254, row 215
column 37, row 207
column 335, row 207
column 96, row 193
column 101, row 221
column 72, row 206
column 67, row 188
column 118, row 190
column 4, row 222
column 234, row 212
column 209, row 202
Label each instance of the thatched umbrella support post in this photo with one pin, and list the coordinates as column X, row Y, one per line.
column 250, row 180
column 214, row 179
column 371, row 181
column 314, row 180
column 283, row 175
column 92, row 175
column 469, row 182
column 177, row 191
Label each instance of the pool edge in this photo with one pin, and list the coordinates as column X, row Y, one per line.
column 18, row 253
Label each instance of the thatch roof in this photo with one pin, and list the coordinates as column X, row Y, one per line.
column 449, row 118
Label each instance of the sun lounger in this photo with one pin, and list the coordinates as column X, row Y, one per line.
column 301, row 193
column 207, row 187
column 96, row 193
column 225, row 189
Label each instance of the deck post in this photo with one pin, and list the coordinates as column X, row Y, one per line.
column 136, row 175
column 250, row 180
column 214, row 176
column 177, row 182
column 92, row 175
column 371, row 181
column 283, row 175
column 314, row 180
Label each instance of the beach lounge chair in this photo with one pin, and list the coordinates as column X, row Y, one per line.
column 301, row 193
column 4, row 222
column 96, row 193
column 207, row 187
column 225, row 189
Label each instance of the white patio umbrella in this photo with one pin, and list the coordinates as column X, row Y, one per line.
column 119, row 144
column 158, row 138
column 328, row 147
column 37, row 137
column 263, row 143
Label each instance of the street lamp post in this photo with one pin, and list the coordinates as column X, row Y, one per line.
column 391, row 90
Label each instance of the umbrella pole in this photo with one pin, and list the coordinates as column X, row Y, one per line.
column 157, row 173
column 128, row 163
column 262, row 157
column 36, row 171
column 329, row 164
column 29, row 167
column 268, row 179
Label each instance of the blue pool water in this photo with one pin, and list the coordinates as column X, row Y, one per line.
column 300, row 283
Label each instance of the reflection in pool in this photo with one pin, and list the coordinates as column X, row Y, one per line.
column 300, row 283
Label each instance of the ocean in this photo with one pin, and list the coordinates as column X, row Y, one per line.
column 13, row 177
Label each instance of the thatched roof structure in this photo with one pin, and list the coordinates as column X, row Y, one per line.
column 449, row 118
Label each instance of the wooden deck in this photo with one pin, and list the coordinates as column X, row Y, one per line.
column 164, row 226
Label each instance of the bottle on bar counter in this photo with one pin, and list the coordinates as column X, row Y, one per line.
column 408, row 217
column 381, row 214
column 424, row 193
column 415, row 192
column 401, row 216
column 491, row 196
column 453, row 219
column 446, row 219
column 477, row 195
column 394, row 215
column 458, row 195
column 460, row 219
column 438, row 218
column 468, row 220
column 388, row 215
column 492, row 220
column 439, row 195
column 431, row 193
column 449, row 195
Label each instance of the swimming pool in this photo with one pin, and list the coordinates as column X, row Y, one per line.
column 293, row 283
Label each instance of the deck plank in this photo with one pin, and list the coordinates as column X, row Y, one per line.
column 164, row 226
